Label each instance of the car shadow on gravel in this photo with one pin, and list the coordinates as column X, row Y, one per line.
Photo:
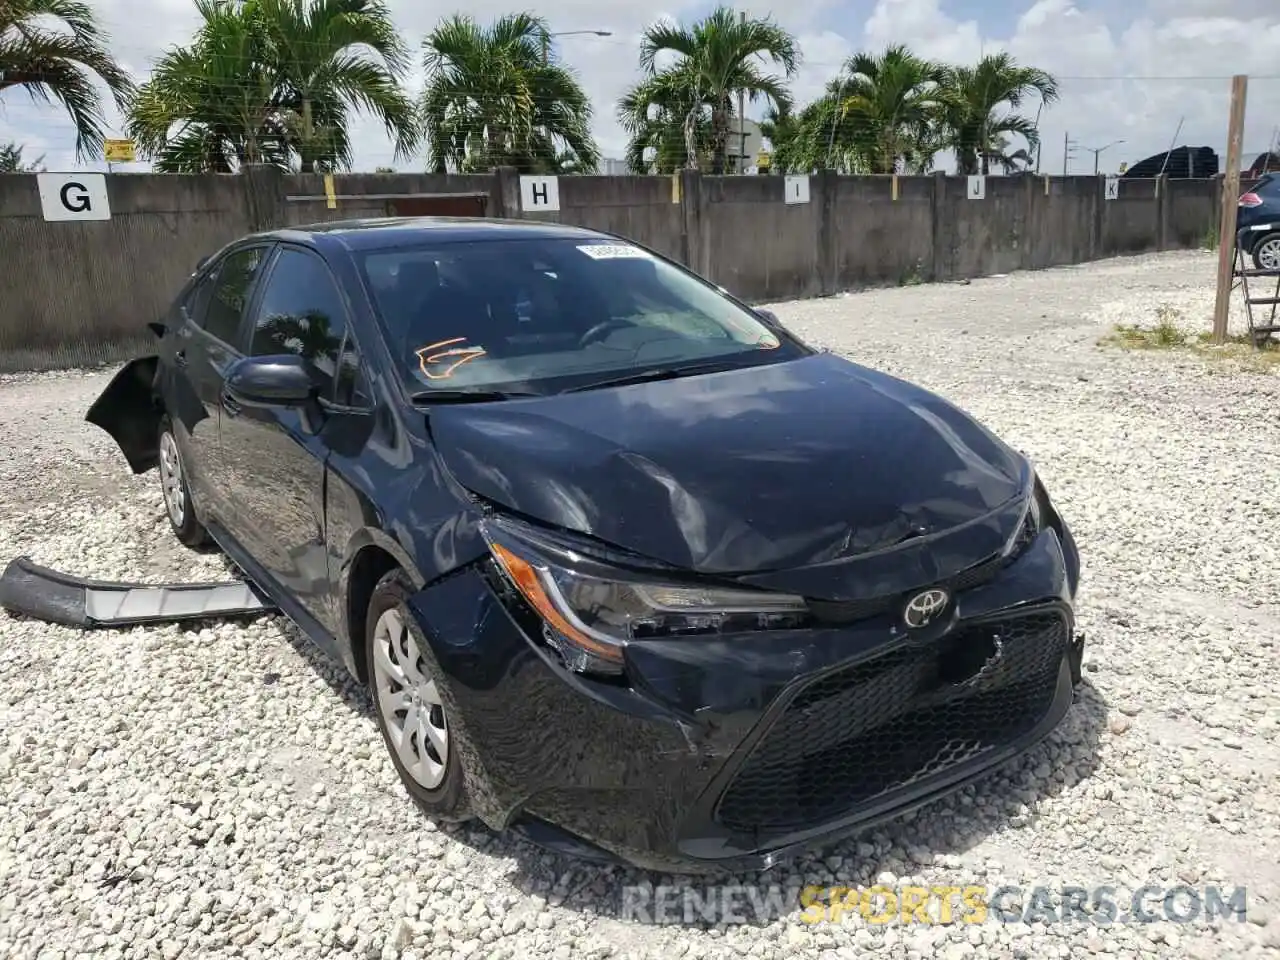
column 1006, row 799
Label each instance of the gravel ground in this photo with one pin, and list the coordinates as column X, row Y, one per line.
column 222, row 791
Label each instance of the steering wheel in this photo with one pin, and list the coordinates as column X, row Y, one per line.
column 600, row 330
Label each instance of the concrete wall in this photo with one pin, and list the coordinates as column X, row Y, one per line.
column 81, row 292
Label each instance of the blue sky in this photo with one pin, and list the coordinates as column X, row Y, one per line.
column 1122, row 67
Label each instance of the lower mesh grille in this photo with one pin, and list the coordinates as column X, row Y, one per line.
column 895, row 720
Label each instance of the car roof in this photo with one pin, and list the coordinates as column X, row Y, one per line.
column 380, row 233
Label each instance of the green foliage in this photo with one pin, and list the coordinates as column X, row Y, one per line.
column 496, row 96
column 275, row 81
column 883, row 113
column 682, row 113
column 279, row 81
column 55, row 50
column 12, row 160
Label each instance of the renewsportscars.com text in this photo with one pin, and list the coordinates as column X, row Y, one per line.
column 938, row 904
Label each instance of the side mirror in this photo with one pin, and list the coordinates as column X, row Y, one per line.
column 276, row 381
column 769, row 317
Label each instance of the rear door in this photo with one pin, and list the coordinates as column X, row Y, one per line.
column 205, row 345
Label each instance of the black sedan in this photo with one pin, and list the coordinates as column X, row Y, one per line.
column 625, row 565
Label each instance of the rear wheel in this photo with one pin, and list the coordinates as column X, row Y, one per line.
column 178, row 504
column 410, row 712
column 1266, row 252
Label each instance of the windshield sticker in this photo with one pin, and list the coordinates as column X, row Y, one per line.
column 452, row 358
column 614, row 251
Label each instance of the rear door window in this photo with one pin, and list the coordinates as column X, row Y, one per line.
column 230, row 294
column 197, row 299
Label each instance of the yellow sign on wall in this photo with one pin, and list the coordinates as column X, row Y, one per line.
column 119, row 151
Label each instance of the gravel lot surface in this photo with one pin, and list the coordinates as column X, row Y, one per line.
column 223, row 791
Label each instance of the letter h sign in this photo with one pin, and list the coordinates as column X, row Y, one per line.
column 539, row 194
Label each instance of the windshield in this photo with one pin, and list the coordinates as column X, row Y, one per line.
column 551, row 314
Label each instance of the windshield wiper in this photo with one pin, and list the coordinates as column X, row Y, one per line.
column 656, row 373
column 469, row 396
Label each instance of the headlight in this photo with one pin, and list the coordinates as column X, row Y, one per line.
column 588, row 620
column 1032, row 521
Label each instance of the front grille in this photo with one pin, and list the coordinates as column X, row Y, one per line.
column 895, row 720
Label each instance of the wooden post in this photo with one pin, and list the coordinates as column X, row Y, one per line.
column 1227, row 223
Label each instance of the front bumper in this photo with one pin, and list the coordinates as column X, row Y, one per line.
column 732, row 753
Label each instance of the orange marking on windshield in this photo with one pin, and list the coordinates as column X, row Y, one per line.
column 463, row 354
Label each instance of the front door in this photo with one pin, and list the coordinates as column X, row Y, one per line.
column 277, row 456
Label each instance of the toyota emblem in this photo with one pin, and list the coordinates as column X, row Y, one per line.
column 924, row 607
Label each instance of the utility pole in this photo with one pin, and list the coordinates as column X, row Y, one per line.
column 1039, row 142
column 742, row 117
column 1230, row 199
column 1068, row 151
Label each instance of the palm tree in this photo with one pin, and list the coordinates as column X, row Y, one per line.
column 54, row 49
column 972, row 99
column 212, row 105
column 271, row 81
column 665, row 123
column 492, row 98
column 1009, row 160
column 718, row 57
column 886, row 108
column 804, row 142
column 12, row 160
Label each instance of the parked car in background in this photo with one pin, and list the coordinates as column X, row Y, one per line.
column 624, row 563
column 1258, row 223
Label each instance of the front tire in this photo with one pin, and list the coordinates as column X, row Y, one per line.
column 407, row 705
column 178, row 504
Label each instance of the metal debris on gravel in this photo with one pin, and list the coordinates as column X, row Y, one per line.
column 222, row 791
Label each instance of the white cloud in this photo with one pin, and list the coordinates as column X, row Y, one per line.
column 1076, row 41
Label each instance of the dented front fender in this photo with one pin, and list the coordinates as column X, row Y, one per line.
column 129, row 410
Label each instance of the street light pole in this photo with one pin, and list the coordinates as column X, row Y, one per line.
column 1098, row 151
column 547, row 35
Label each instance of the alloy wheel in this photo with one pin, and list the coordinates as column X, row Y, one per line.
column 409, row 702
column 1269, row 254
column 175, row 499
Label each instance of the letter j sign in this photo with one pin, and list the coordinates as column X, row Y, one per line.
column 73, row 196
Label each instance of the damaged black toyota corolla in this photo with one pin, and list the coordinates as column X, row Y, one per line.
column 626, row 565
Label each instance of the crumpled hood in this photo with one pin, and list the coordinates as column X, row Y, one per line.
column 766, row 468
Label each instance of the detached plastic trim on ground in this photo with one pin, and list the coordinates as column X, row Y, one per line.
column 30, row 590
